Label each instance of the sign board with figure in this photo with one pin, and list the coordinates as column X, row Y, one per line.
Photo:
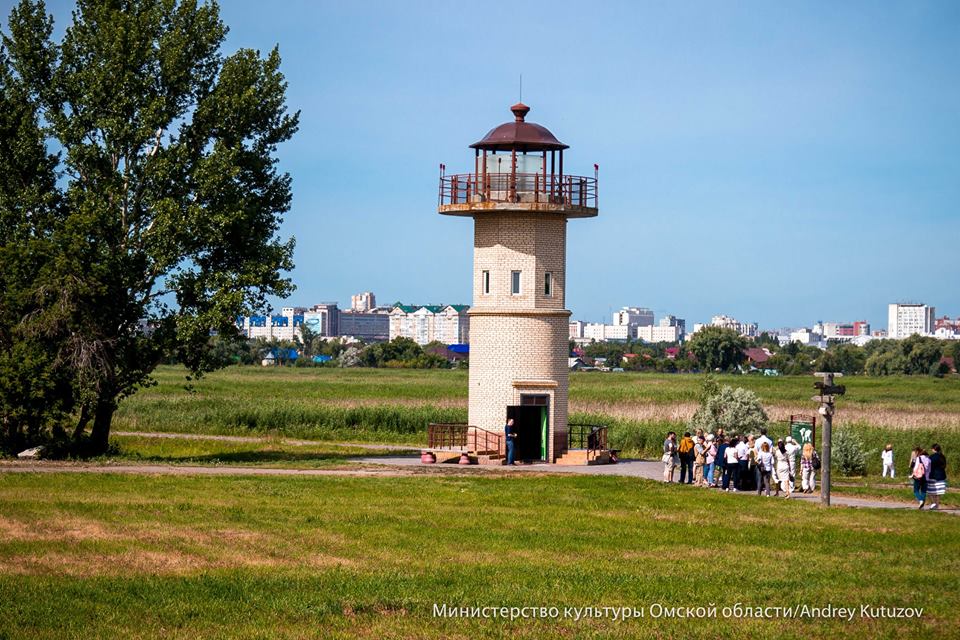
column 803, row 429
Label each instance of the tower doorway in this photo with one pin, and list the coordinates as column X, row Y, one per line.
column 531, row 422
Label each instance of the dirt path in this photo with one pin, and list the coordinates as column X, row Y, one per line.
column 288, row 441
column 34, row 466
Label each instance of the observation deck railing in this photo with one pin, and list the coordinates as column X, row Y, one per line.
column 470, row 188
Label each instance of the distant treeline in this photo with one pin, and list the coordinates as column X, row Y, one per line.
column 714, row 348
column 314, row 351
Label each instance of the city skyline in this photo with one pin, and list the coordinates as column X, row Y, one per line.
column 776, row 163
column 717, row 319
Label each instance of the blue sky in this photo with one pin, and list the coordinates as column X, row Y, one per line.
column 779, row 162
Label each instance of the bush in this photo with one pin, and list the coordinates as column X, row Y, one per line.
column 847, row 454
column 735, row 410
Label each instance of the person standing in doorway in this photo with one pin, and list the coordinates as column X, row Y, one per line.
column 511, row 435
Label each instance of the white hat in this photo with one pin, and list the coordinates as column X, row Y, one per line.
column 709, row 437
column 789, row 439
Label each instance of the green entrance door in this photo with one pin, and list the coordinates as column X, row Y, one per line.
column 543, row 433
column 539, row 405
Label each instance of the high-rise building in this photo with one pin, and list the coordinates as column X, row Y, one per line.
column 907, row 319
column 323, row 319
column 282, row 326
column 368, row 326
column 633, row 317
column 423, row 324
column 363, row 302
column 748, row 330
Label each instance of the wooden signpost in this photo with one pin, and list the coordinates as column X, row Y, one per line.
column 826, row 398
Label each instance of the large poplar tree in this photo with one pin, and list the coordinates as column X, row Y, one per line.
column 145, row 209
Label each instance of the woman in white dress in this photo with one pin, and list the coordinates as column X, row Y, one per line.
column 781, row 460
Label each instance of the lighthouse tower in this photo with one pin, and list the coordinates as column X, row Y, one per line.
column 520, row 200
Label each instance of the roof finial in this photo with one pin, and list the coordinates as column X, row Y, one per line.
column 520, row 110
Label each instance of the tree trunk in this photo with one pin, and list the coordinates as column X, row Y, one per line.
column 100, row 435
column 82, row 422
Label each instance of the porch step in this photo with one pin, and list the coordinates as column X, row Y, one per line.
column 490, row 459
column 581, row 457
column 574, row 457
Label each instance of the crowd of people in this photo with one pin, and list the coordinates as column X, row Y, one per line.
column 749, row 462
column 744, row 462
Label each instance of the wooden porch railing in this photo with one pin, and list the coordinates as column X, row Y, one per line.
column 592, row 437
column 464, row 437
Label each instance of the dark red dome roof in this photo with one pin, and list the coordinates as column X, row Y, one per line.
column 519, row 135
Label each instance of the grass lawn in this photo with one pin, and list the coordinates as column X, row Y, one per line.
column 203, row 557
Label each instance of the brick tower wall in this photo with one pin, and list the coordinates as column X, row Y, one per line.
column 518, row 343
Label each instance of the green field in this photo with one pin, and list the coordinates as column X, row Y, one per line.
column 389, row 405
column 197, row 557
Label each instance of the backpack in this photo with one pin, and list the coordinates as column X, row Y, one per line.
column 918, row 470
column 815, row 462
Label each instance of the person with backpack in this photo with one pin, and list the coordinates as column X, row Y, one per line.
column 918, row 471
column 936, row 476
column 685, row 451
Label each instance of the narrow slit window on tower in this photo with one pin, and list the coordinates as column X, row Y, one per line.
column 515, row 283
column 548, row 284
column 485, row 284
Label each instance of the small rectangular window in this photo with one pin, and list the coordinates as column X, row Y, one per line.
column 548, row 284
column 515, row 283
column 485, row 284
